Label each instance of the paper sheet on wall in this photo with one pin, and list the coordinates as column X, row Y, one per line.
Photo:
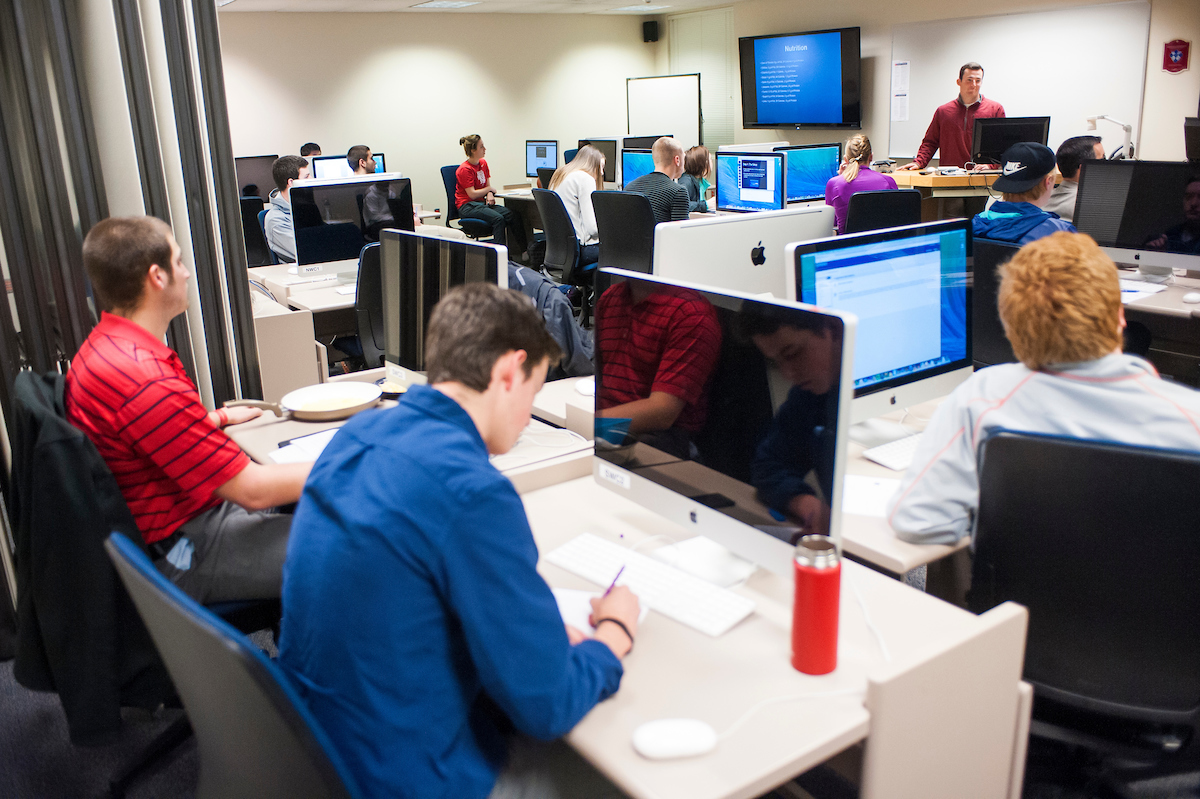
column 899, row 107
column 868, row 496
column 900, row 77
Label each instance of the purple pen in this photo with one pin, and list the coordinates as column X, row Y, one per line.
column 613, row 584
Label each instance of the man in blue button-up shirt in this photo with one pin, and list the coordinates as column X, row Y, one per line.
column 416, row 626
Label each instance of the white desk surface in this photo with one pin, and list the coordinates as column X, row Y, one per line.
column 675, row 671
column 551, row 402
column 321, row 299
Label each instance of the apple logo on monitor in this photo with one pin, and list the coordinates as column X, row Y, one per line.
column 758, row 255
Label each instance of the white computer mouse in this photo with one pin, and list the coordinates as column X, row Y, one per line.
column 586, row 386
column 292, row 270
column 666, row 739
column 1192, row 296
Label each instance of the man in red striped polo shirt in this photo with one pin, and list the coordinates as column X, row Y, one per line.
column 198, row 500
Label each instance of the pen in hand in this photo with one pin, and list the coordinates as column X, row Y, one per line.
column 613, row 584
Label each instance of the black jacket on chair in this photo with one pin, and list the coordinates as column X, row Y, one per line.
column 78, row 633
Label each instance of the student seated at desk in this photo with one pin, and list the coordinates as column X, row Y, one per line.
column 1061, row 308
column 668, row 199
column 377, row 213
column 418, row 630
column 196, row 497
column 1070, row 157
column 476, row 199
column 697, row 164
column 574, row 184
column 280, row 230
column 1025, row 185
column 855, row 175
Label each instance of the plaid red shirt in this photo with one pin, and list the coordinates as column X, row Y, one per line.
column 129, row 393
column 668, row 342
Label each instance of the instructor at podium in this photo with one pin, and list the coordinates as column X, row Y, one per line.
column 953, row 124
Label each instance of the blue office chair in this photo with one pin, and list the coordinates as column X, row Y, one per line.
column 262, row 225
column 475, row 228
column 256, row 738
column 569, row 155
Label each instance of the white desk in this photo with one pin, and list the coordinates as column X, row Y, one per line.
column 945, row 718
column 317, row 300
column 551, row 402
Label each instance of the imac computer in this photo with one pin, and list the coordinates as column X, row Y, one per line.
column 907, row 286
column 743, row 252
column 325, row 167
column 254, row 178
column 541, row 153
column 809, row 168
column 334, row 219
column 634, row 164
column 642, row 142
column 992, row 137
column 753, row 147
column 608, row 147
column 756, row 458
column 750, row 182
column 417, row 271
column 1143, row 213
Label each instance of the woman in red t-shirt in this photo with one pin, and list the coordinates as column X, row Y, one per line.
column 476, row 199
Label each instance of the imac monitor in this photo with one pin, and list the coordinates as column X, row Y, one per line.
column 761, row 429
column 908, row 288
column 992, row 137
column 1142, row 213
column 334, row 219
column 608, row 147
column 641, row 142
column 634, row 164
column 750, row 182
column 254, row 178
column 325, row 167
column 801, row 80
column 417, row 271
column 809, row 168
column 542, row 153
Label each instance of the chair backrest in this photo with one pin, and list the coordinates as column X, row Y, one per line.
column 875, row 210
column 368, row 305
column 262, row 227
column 625, row 223
column 257, row 251
column 545, row 175
column 562, row 246
column 450, row 182
column 569, row 155
column 1099, row 541
column 989, row 345
column 256, row 738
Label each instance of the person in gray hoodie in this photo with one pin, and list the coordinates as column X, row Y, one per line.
column 281, row 234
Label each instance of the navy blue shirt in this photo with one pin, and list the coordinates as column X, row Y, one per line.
column 1019, row 223
column 414, row 611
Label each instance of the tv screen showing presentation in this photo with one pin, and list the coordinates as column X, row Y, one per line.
column 634, row 164
column 750, row 182
column 801, row 80
column 540, row 154
column 809, row 168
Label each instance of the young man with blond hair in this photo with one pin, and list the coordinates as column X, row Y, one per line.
column 1061, row 308
column 1026, row 184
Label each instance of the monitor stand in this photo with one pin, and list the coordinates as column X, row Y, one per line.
column 876, row 432
column 1147, row 274
column 704, row 558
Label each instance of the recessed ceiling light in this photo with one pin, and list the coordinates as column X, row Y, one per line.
column 641, row 9
column 447, row 4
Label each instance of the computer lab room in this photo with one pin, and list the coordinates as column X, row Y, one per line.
column 498, row 399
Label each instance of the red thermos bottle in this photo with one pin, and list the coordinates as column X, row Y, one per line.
column 815, row 613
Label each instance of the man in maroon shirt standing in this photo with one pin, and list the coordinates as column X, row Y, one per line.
column 953, row 124
column 196, row 497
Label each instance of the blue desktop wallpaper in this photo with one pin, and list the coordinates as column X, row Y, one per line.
column 634, row 165
column 727, row 185
column 808, row 171
column 799, row 78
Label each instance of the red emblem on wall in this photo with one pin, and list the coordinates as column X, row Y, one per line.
column 1176, row 55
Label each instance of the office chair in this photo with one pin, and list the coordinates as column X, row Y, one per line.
column 256, row 738
column 562, row 248
column 874, row 210
column 625, row 223
column 1098, row 540
column 545, row 175
column 368, row 305
column 989, row 344
column 262, row 227
column 569, row 155
column 475, row 228
column 257, row 251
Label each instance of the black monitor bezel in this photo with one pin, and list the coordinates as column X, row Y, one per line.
column 851, row 81
column 528, row 142
column 982, row 124
column 610, row 162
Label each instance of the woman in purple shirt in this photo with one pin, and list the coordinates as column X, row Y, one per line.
column 855, row 175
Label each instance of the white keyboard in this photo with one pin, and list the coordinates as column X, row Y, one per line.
column 675, row 594
column 896, row 455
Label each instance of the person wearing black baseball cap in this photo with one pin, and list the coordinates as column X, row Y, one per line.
column 1026, row 185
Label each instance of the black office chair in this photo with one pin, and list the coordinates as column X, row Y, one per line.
column 475, row 228
column 989, row 344
column 256, row 738
column 368, row 305
column 1099, row 541
column 545, row 175
column 262, row 227
column 625, row 223
column 874, row 210
column 257, row 251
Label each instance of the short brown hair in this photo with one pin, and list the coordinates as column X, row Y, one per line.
column 118, row 253
column 474, row 325
column 970, row 65
column 1060, row 301
column 359, row 152
column 285, row 168
column 696, row 161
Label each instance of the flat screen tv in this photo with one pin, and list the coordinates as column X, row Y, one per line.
column 801, row 80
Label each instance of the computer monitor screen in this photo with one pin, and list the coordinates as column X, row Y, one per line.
column 417, row 271
column 1143, row 213
column 542, row 153
column 608, row 148
column 810, row 79
column 634, row 164
column 908, row 288
column 325, row 167
column 254, row 178
column 993, row 136
column 809, row 168
column 750, row 182
column 333, row 219
column 753, row 458
column 641, row 142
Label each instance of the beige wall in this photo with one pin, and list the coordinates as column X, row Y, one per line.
column 410, row 85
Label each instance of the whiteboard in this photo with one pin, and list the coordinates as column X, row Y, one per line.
column 669, row 104
column 1067, row 64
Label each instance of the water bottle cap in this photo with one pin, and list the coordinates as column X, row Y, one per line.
column 816, row 551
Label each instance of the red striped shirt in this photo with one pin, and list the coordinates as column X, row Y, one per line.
column 129, row 393
column 668, row 342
